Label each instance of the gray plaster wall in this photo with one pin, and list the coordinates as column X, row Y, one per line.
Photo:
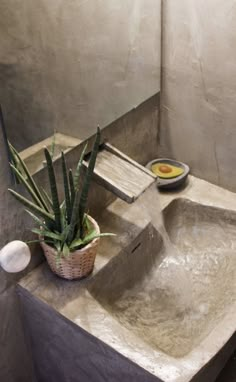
column 72, row 65
column 16, row 364
column 199, row 87
column 15, row 360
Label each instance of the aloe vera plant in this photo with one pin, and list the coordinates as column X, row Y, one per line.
column 65, row 226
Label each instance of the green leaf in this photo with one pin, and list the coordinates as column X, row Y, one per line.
column 78, row 168
column 49, row 218
column 28, row 176
column 65, row 233
column 88, row 238
column 87, row 223
column 47, row 198
column 54, row 192
column 40, row 222
column 66, row 188
column 74, row 224
column 39, row 241
column 27, row 187
column 57, row 245
column 76, row 243
column 72, row 188
column 63, row 218
column 87, row 180
column 46, row 233
column 66, row 250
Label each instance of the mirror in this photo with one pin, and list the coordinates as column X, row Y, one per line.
column 66, row 67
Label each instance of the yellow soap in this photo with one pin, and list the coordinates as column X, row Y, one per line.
column 166, row 170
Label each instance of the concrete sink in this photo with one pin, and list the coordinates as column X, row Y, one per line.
column 168, row 308
column 171, row 309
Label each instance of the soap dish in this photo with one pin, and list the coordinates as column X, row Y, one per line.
column 170, row 183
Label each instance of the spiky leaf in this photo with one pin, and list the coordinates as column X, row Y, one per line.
column 78, row 168
column 47, row 198
column 46, row 233
column 54, row 192
column 88, row 238
column 66, row 188
column 74, row 224
column 72, row 187
column 65, row 250
column 25, row 171
column 40, row 222
column 33, row 208
column 87, row 180
column 27, row 186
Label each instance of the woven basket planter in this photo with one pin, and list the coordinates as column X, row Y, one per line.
column 78, row 264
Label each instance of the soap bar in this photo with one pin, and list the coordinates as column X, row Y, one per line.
column 166, row 170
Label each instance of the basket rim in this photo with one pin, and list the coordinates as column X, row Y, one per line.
column 87, row 246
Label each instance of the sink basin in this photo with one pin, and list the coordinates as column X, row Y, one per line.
column 170, row 308
column 174, row 302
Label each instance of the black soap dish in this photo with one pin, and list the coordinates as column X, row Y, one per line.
column 170, row 183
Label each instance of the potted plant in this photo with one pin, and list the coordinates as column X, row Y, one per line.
column 68, row 235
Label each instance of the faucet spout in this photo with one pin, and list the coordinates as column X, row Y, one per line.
column 121, row 175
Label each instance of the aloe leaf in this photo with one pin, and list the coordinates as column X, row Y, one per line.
column 65, row 250
column 64, row 234
column 33, row 208
column 84, row 241
column 47, row 198
column 72, row 187
column 46, row 233
column 39, row 241
column 87, row 179
column 54, row 193
column 27, row 186
column 37, row 220
column 76, row 243
column 78, row 168
column 64, row 222
column 66, row 188
column 74, row 223
column 57, row 245
column 87, row 223
column 74, row 219
column 13, row 161
column 12, row 155
column 28, row 176
column 88, row 239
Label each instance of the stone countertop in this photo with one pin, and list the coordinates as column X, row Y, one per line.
column 127, row 221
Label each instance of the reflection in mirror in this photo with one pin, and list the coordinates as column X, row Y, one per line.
column 66, row 67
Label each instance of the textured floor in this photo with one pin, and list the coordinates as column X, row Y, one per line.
column 229, row 372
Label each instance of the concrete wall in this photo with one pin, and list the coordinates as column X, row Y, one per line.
column 15, row 361
column 199, row 87
column 72, row 65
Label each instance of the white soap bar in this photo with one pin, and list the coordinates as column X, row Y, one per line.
column 15, row 256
